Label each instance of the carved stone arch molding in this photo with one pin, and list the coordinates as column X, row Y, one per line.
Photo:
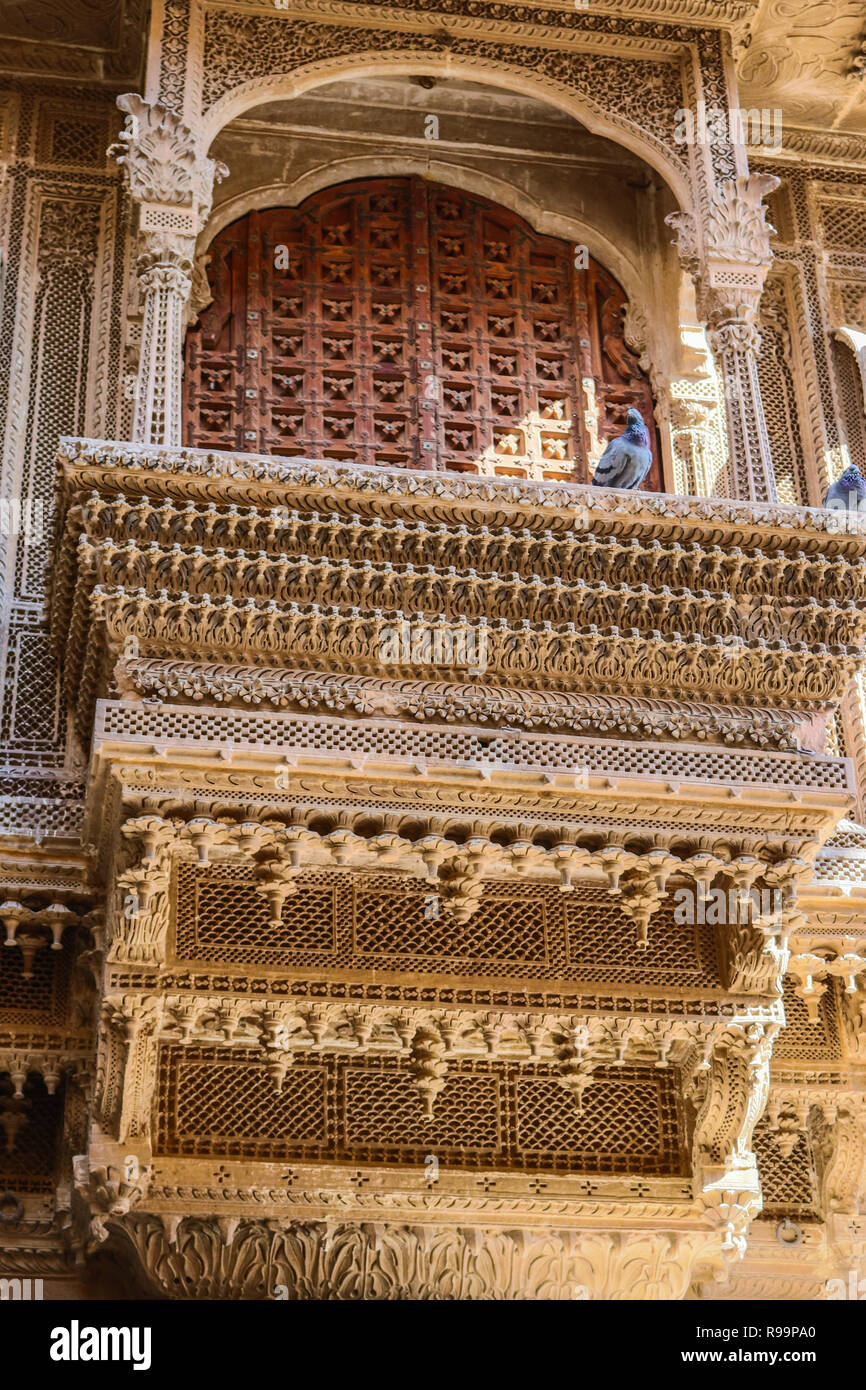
column 625, row 79
column 604, row 92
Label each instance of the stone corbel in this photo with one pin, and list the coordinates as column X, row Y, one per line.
column 427, row 1066
column 108, row 1183
column 840, row 1154
column 730, row 1211
column 807, row 969
column 139, row 921
column 684, row 226
column 154, row 833
column 278, row 869
column 141, row 916
column 129, row 1032
column 756, row 962
column 854, row 1020
column 756, row 942
column 811, row 968
column 276, row 876
column 461, row 884
column 29, row 928
column 736, row 1076
column 635, row 331
column 203, row 834
column 20, row 1064
column 87, row 970
column 639, row 897
column 576, row 1067
column 275, row 1042
column 787, row 1121
column 786, row 878
column 201, row 295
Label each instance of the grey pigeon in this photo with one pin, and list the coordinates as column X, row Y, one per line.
column 848, row 493
column 627, row 459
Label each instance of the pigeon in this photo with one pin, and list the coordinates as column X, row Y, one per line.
column 627, row 459
column 848, row 493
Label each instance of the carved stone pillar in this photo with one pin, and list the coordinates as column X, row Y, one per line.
column 735, row 346
column 730, row 1088
column 728, row 258
column 165, row 282
column 171, row 182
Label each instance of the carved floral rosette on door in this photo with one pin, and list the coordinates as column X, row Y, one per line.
column 394, row 321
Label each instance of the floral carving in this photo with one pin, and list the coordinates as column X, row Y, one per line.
column 255, row 1260
column 737, row 228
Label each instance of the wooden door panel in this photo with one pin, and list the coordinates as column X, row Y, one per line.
column 399, row 322
column 336, row 328
column 502, row 307
column 215, row 372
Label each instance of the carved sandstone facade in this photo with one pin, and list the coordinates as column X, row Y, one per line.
column 425, row 876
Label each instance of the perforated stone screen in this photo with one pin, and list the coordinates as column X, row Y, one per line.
column 42, row 999
column 371, row 921
column 367, row 1110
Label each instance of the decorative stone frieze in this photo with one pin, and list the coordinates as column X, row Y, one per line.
column 310, row 593
column 243, row 1259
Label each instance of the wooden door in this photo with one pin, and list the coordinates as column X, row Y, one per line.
column 394, row 321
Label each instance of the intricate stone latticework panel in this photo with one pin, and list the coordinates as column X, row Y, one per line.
column 63, row 251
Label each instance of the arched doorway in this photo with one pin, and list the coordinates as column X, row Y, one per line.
column 396, row 321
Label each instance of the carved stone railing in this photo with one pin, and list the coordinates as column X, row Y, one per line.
column 547, row 587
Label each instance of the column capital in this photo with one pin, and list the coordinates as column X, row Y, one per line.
column 167, row 269
column 728, row 254
column 161, row 160
column 734, row 335
column 737, row 229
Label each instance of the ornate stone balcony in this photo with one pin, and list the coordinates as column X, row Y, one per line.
column 399, row 782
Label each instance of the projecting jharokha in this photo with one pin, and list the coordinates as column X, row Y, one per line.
column 433, row 841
